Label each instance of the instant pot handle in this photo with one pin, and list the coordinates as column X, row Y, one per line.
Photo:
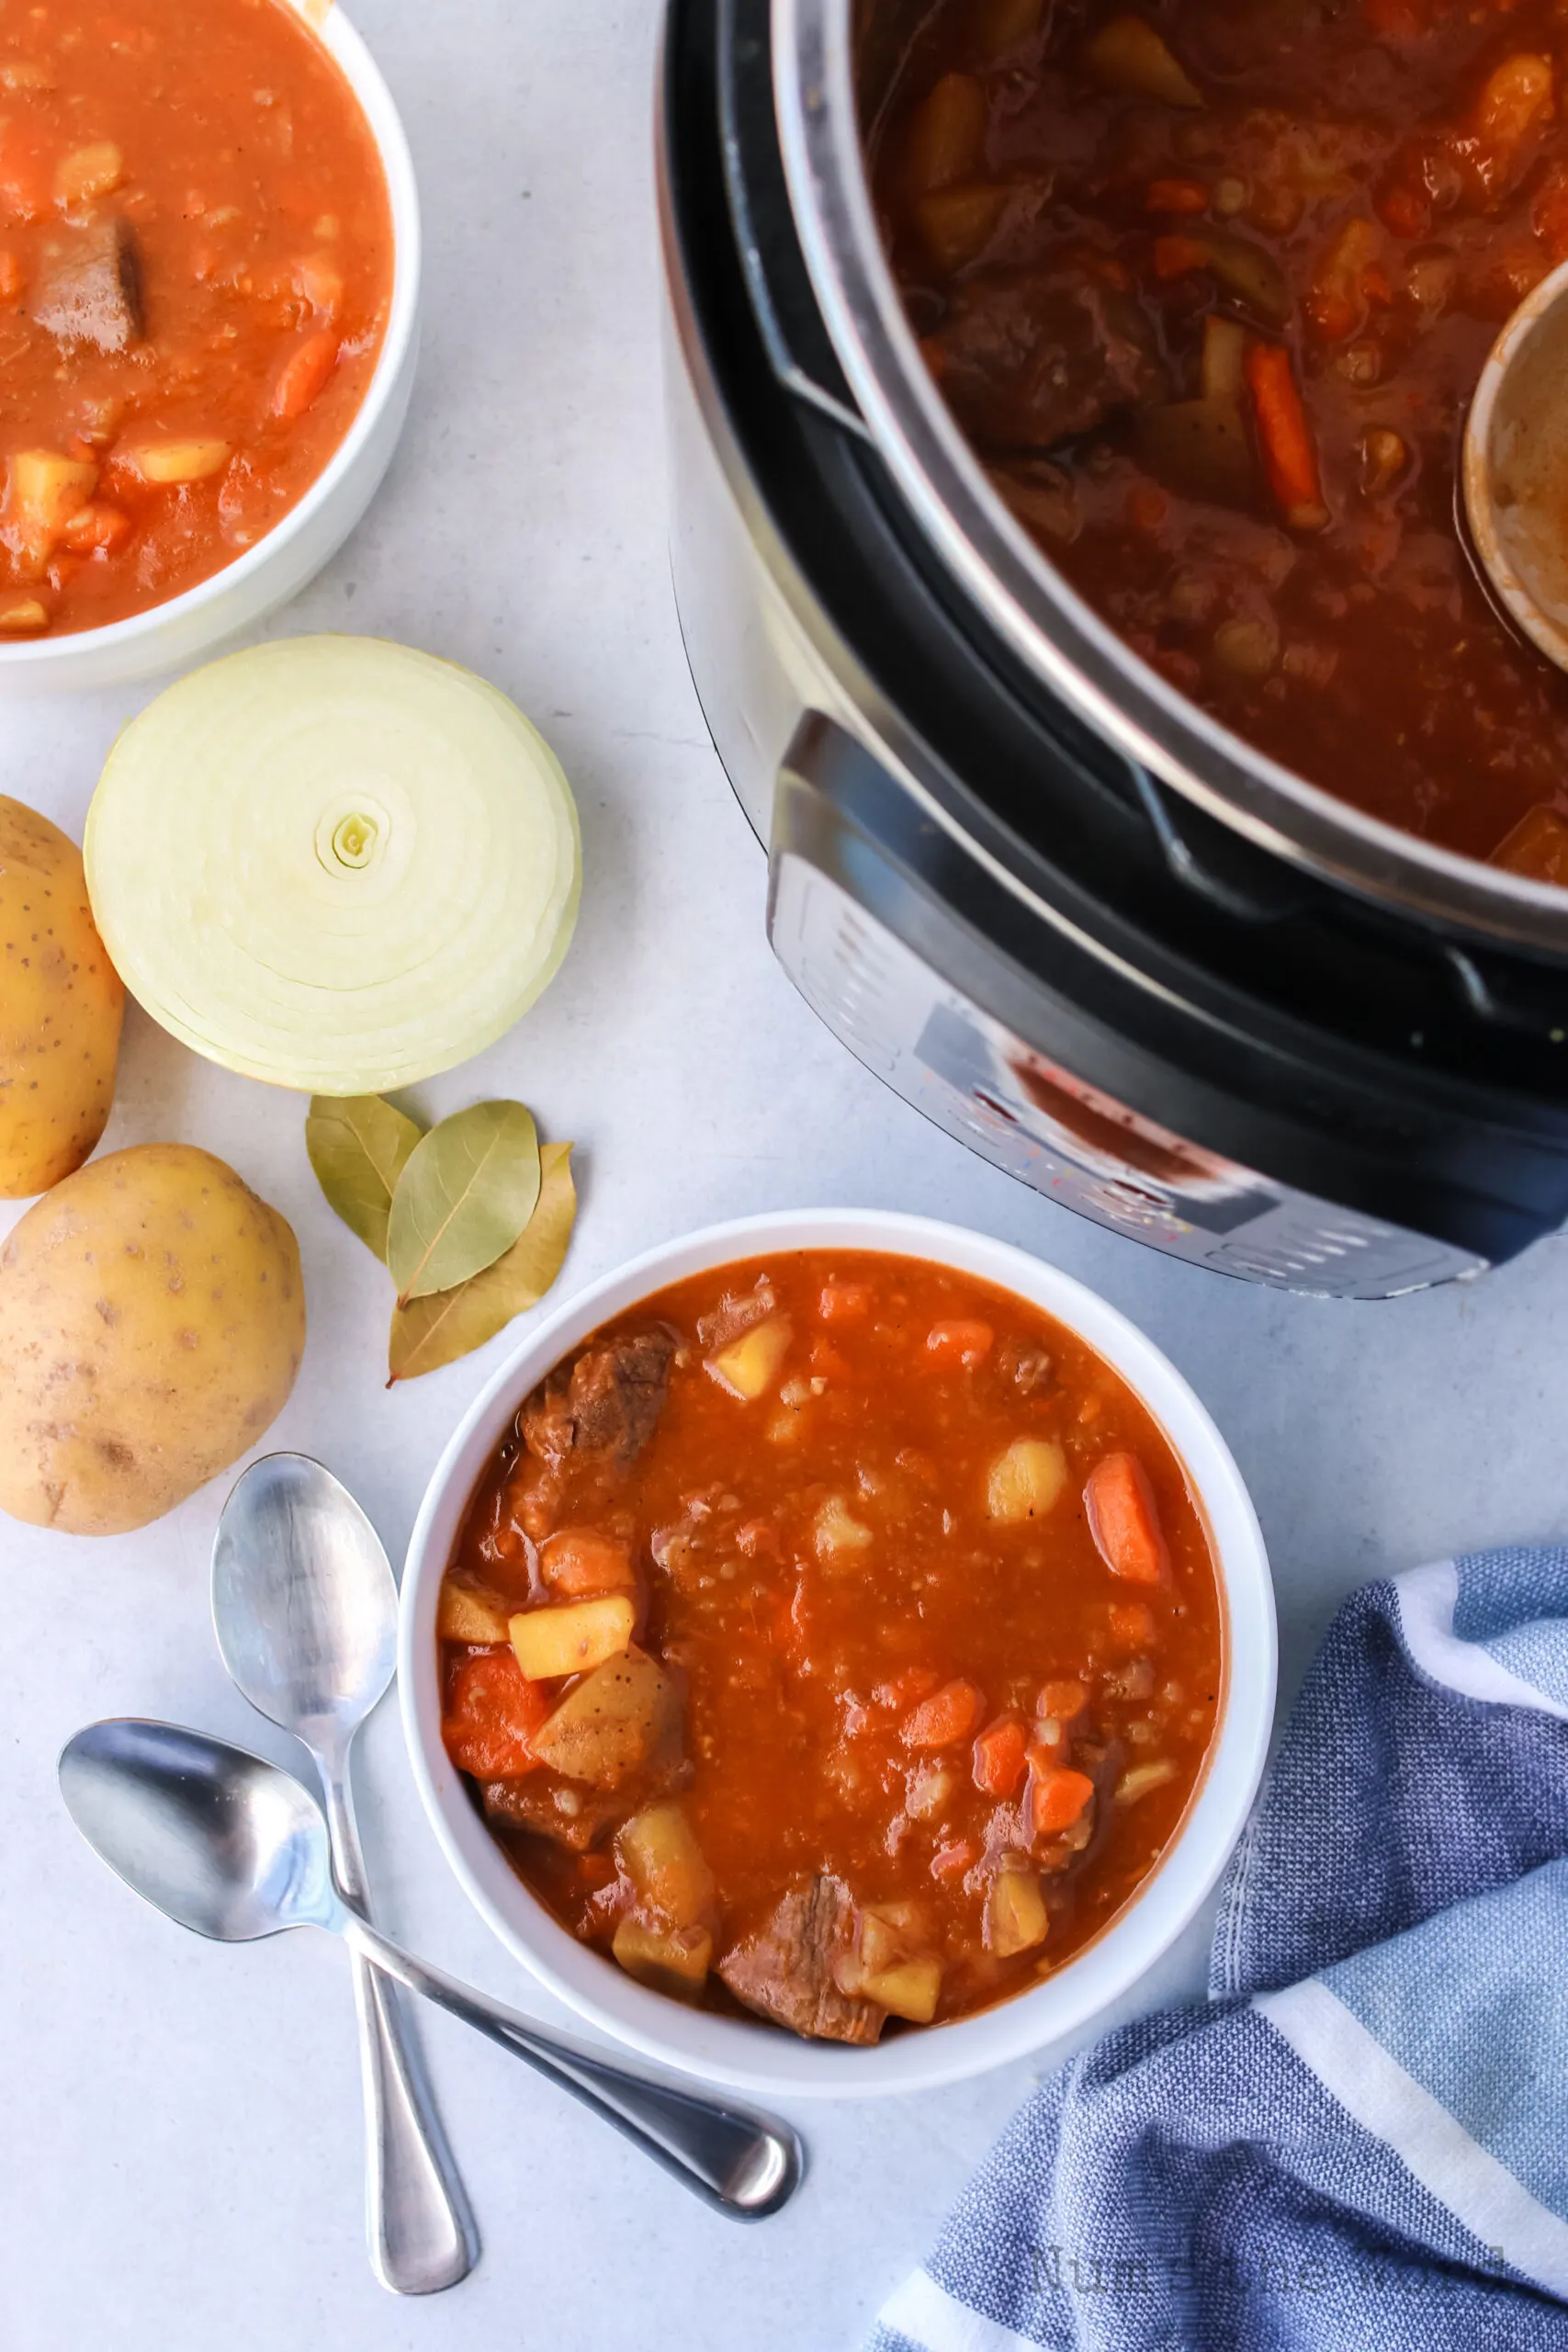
column 799, row 349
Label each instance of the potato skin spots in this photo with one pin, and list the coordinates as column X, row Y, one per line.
column 61, row 1004
column 152, row 1323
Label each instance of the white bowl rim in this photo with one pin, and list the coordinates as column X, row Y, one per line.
column 738, row 2054
column 368, row 86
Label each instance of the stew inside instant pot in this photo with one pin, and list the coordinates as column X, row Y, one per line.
column 196, row 261
column 1208, row 288
column 835, row 1636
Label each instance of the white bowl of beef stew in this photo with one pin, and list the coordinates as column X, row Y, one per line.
column 216, row 392
column 952, row 1660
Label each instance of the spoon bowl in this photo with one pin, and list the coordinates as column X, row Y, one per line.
column 1515, row 467
column 304, row 1602
column 224, row 1843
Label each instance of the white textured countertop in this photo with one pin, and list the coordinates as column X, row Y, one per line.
column 180, row 2163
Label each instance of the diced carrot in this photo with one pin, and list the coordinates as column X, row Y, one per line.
column 1146, row 508
column 579, row 1560
column 1405, row 208
column 901, row 1691
column 1289, row 459
column 959, row 1343
column 825, row 1361
column 999, row 1754
column 843, row 1302
column 492, row 1711
column 1057, row 1799
column 949, row 1716
column 1063, row 1702
column 11, row 279
column 1124, row 1519
column 1132, row 1623
column 303, row 376
column 1179, row 256
column 95, row 527
column 952, row 1859
column 1178, row 196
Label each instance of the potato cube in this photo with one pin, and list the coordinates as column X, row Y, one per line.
column 468, row 1613
column 571, row 1639
column 47, row 489
column 88, row 173
column 751, row 1364
column 668, row 1960
column 19, row 613
column 1025, row 1481
column 623, row 1718
column 911, row 1990
column 837, row 1531
column 1015, row 1913
column 167, row 463
column 891, row 1933
column 1143, row 1780
column 929, row 1787
column 661, row 1857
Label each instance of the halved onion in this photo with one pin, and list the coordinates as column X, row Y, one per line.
column 333, row 863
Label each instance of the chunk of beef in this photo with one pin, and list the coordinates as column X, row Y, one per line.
column 1029, row 357
column 785, row 1970
column 88, row 288
column 606, row 1407
column 538, row 1801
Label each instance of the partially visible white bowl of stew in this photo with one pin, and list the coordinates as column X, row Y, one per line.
column 211, row 266
column 1005, row 1851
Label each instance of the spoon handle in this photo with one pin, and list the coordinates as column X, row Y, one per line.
column 417, row 2220
column 747, row 2166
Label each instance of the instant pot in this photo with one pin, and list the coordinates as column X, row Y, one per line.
column 1052, row 904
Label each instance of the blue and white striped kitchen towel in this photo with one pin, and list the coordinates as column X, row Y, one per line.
column 1360, row 2142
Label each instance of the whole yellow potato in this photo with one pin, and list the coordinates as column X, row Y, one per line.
column 151, row 1321
column 61, row 1003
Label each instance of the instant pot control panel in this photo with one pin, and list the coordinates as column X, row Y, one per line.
column 992, row 1092
column 843, row 909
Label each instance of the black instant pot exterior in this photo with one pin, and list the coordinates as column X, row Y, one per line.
column 1206, row 1029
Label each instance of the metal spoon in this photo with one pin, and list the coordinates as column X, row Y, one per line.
column 306, row 1613
column 1514, row 470
column 235, row 1849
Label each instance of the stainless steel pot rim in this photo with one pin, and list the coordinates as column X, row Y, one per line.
column 1046, row 624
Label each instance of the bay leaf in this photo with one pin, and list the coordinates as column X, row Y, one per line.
column 469, row 1189
column 359, row 1147
column 434, row 1331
